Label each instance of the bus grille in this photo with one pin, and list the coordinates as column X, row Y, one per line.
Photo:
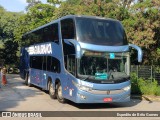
column 107, row 92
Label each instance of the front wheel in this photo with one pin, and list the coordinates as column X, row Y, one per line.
column 59, row 94
column 52, row 91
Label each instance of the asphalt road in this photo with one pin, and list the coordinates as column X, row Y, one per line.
column 16, row 96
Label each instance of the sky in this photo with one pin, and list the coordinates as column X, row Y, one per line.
column 15, row 5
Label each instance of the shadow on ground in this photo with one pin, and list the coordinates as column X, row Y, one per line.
column 16, row 92
column 133, row 102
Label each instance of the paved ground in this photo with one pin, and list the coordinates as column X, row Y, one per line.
column 15, row 96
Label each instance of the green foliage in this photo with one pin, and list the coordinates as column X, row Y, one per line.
column 8, row 48
column 54, row 1
column 134, row 84
column 142, row 28
column 144, row 87
column 147, row 87
column 36, row 16
column 1, row 45
column 141, row 20
column 157, row 69
column 10, row 52
column 31, row 3
column 158, row 91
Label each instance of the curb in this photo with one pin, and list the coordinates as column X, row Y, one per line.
column 150, row 98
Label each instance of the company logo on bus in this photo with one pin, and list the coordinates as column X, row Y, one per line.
column 40, row 49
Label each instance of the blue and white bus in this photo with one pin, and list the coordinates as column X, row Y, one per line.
column 84, row 59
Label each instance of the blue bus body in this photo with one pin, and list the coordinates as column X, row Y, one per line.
column 65, row 69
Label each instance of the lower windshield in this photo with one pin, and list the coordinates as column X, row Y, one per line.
column 103, row 66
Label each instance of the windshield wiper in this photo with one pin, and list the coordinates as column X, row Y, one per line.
column 87, row 77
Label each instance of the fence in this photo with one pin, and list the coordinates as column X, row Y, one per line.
column 147, row 72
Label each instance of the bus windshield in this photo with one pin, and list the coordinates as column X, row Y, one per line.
column 100, row 32
column 103, row 66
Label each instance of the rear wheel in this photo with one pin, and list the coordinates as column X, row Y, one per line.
column 52, row 91
column 27, row 80
column 60, row 98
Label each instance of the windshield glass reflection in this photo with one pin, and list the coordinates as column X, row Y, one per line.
column 103, row 67
column 100, row 31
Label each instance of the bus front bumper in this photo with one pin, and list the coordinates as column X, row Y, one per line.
column 86, row 97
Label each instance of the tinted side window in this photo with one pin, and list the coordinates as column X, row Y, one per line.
column 53, row 64
column 46, row 34
column 70, row 63
column 55, row 33
column 51, row 33
column 68, row 29
column 38, row 38
column 33, row 38
column 36, row 62
column 46, row 63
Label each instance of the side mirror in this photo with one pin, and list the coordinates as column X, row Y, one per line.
column 140, row 53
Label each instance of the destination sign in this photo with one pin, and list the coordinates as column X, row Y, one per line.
column 40, row 49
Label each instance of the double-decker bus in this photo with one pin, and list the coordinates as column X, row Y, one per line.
column 84, row 59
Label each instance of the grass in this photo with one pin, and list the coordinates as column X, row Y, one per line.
column 144, row 87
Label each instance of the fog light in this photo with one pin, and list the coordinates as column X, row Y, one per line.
column 82, row 96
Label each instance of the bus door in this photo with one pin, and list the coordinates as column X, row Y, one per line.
column 70, row 65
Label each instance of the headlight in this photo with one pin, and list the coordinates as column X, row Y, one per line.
column 81, row 87
column 127, row 88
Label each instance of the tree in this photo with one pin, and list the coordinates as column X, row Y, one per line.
column 10, row 52
column 55, row 2
column 32, row 3
column 8, row 22
column 36, row 16
column 143, row 27
column 140, row 18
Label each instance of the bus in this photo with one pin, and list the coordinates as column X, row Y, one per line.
column 84, row 59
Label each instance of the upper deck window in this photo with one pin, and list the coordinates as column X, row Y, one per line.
column 100, row 32
column 48, row 33
column 68, row 29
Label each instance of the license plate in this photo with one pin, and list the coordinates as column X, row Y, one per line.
column 107, row 99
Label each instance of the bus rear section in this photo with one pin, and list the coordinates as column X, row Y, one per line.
column 24, row 62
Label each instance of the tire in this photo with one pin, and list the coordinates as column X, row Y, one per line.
column 59, row 94
column 27, row 80
column 52, row 90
